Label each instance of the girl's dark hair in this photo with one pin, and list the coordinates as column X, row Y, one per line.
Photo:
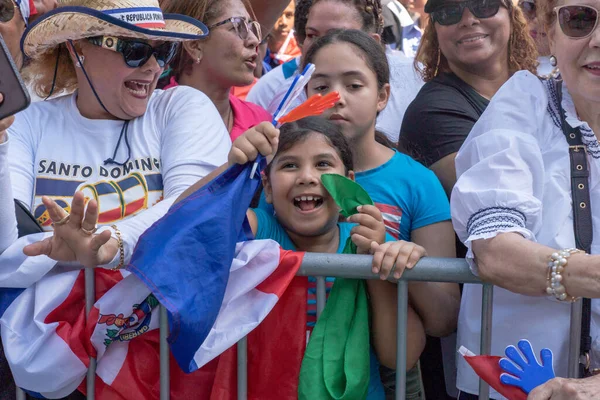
column 370, row 13
column 374, row 56
column 372, row 52
column 297, row 132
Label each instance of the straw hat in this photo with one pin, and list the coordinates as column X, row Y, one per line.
column 78, row 19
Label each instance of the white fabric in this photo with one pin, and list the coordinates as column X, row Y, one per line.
column 400, row 12
column 514, row 176
column 270, row 89
column 404, row 81
column 244, row 305
column 55, row 150
column 8, row 227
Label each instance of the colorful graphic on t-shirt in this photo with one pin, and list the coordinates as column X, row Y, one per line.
column 117, row 198
column 392, row 216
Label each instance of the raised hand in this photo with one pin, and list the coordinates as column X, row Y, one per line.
column 526, row 373
column 262, row 139
column 74, row 236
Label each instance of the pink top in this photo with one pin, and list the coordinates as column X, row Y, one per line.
column 245, row 114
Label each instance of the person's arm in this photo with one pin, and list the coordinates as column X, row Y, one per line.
column 568, row 389
column 499, row 199
column 389, row 258
column 517, row 264
column 384, row 307
column 267, row 12
column 437, row 303
column 261, row 139
column 445, row 171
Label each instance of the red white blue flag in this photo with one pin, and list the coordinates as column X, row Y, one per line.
column 217, row 284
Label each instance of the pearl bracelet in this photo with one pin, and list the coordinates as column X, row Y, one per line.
column 556, row 266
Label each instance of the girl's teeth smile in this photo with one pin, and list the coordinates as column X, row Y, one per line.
column 308, row 203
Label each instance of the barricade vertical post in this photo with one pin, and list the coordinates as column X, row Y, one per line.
column 165, row 384
column 242, row 368
column 401, row 340
column 90, row 299
column 21, row 394
column 486, row 333
column 575, row 339
column 321, row 295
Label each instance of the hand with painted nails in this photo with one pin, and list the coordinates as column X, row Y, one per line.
column 370, row 228
column 392, row 258
column 523, row 369
column 74, row 236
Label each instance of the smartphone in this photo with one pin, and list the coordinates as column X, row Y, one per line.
column 16, row 95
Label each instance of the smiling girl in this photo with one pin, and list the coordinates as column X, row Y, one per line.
column 307, row 218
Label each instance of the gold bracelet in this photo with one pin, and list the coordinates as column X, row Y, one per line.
column 121, row 249
column 556, row 265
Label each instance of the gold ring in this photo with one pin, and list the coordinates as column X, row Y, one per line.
column 62, row 221
column 89, row 232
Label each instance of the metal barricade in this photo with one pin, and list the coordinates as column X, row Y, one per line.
column 352, row 266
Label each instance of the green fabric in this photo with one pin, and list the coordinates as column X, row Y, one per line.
column 336, row 362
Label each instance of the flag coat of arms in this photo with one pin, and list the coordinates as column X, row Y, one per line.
column 201, row 263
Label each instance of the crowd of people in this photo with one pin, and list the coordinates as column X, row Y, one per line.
column 471, row 125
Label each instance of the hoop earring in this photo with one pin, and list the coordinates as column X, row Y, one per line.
column 553, row 61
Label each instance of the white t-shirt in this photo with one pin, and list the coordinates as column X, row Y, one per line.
column 54, row 151
column 404, row 81
column 514, row 176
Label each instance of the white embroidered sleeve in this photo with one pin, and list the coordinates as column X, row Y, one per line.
column 500, row 167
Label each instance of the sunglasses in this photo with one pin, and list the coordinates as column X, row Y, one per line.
column 135, row 52
column 242, row 27
column 7, row 10
column 529, row 9
column 577, row 22
column 451, row 13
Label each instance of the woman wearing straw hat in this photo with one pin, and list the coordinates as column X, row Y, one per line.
column 131, row 151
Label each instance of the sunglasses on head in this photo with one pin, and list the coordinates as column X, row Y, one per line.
column 577, row 22
column 451, row 13
column 529, row 9
column 136, row 52
column 242, row 27
column 7, row 10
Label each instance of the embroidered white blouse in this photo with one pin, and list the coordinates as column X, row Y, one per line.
column 514, row 176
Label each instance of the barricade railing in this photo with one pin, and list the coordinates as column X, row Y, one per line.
column 428, row 269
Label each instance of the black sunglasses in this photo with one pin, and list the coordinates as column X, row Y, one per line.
column 451, row 13
column 529, row 9
column 136, row 52
column 7, row 10
column 577, row 22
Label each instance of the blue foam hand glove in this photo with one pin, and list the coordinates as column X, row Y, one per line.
column 526, row 373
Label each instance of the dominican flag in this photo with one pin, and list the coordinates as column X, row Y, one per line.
column 487, row 368
column 201, row 263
